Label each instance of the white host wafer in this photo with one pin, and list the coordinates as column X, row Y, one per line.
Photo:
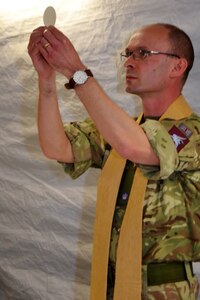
column 49, row 16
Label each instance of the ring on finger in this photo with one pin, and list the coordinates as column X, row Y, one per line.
column 46, row 45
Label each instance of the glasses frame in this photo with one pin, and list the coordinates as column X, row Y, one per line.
column 146, row 53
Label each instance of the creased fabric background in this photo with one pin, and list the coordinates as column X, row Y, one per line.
column 46, row 218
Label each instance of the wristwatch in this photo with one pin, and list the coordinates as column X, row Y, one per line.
column 79, row 77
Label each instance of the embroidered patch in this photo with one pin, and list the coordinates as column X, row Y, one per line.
column 185, row 130
column 179, row 138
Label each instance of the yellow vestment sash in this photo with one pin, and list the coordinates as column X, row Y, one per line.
column 128, row 280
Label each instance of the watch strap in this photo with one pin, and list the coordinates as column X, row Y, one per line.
column 71, row 84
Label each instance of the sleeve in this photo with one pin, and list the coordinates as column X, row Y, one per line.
column 88, row 147
column 176, row 151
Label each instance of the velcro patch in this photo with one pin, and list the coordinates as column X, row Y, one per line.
column 179, row 138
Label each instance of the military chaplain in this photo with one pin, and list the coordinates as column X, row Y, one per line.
column 147, row 228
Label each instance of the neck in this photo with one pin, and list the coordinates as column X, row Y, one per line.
column 156, row 106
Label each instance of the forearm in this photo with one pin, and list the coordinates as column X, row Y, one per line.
column 52, row 138
column 117, row 127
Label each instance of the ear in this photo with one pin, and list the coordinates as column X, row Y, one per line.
column 179, row 67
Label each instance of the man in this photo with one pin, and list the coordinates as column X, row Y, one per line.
column 147, row 223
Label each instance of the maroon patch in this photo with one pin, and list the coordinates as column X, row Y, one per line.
column 185, row 130
column 178, row 137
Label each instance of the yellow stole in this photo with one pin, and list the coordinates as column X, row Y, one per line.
column 128, row 283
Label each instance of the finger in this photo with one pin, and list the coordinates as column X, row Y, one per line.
column 42, row 50
column 35, row 37
column 57, row 33
column 54, row 36
column 45, row 44
column 40, row 29
column 50, row 37
column 44, row 53
column 33, row 49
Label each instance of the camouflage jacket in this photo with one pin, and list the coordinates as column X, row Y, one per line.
column 171, row 214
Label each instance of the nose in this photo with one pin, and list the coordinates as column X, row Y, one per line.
column 129, row 62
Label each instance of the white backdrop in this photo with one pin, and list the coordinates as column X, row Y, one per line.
column 46, row 218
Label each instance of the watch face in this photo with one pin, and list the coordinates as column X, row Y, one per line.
column 80, row 77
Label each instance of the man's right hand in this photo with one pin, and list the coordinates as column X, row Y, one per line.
column 44, row 70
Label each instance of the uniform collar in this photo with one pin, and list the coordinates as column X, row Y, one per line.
column 178, row 110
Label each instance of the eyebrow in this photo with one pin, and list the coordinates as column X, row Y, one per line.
column 139, row 47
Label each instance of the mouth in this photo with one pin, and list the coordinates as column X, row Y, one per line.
column 130, row 77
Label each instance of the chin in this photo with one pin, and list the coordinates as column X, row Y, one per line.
column 129, row 90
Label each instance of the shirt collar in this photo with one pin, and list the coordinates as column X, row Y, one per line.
column 178, row 109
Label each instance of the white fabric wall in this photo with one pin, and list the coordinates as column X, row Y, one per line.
column 46, row 218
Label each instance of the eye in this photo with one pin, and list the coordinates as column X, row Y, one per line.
column 143, row 53
column 128, row 53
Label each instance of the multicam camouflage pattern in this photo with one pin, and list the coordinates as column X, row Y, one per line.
column 183, row 290
column 171, row 223
column 171, row 216
column 172, row 204
column 89, row 148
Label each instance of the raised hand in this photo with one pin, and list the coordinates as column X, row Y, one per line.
column 59, row 52
column 43, row 68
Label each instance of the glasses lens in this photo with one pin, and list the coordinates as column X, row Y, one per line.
column 137, row 54
column 140, row 54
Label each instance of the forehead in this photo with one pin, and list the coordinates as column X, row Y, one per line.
column 150, row 37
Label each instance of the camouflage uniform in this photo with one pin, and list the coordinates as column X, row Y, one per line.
column 171, row 219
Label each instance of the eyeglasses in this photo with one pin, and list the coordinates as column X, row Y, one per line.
column 140, row 54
